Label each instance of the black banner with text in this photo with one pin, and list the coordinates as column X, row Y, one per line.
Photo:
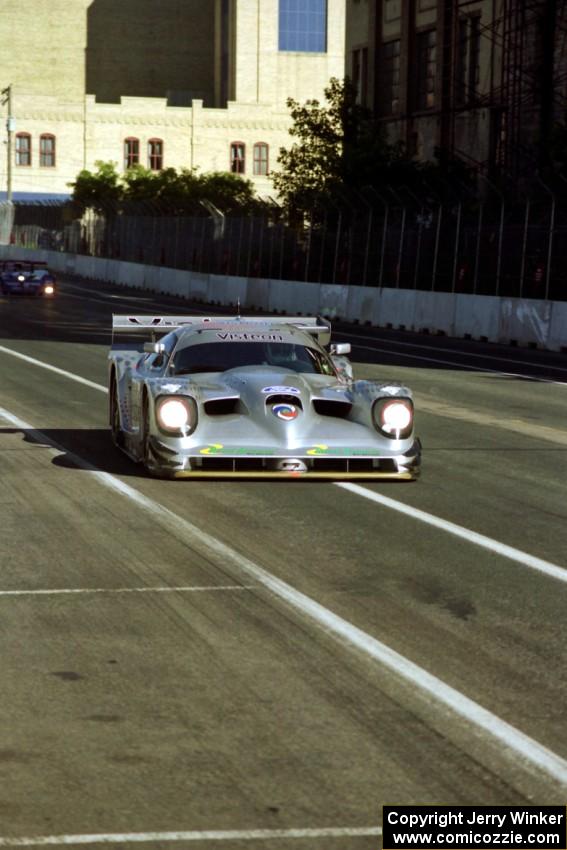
column 474, row 827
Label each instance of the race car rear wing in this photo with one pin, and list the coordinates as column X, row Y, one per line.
column 159, row 325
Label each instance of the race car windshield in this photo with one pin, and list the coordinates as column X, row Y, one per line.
column 218, row 357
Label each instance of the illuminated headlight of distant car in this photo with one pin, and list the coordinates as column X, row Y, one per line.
column 21, row 278
column 176, row 415
column 48, row 289
column 393, row 417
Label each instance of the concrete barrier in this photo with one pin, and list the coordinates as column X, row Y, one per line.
column 259, row 289
column 482, row 317
column 477, row 317
column 396, row 308
column 557, row 339
column 199, row 285
column 434, row 312
column 333, row 300
column 524, row 321
column 360, row 304
column 294, row 298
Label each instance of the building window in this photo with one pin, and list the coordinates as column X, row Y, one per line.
column 426, row 67
column 303, row 26
column 237, row 161
column 261, row 158
column 47, row 150
column 360, row 74
column 23, row 149
column 468, row 61
column 131, row 152
column 389, row 76
column 155, row 154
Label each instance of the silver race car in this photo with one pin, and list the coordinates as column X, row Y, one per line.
column 253, row 397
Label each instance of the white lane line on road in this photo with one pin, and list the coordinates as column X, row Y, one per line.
column 458, row 352
column 51, row 368
column 532, row 378
column 204, row 835
column 345, row 633
column 114, row 590
column 546, row 567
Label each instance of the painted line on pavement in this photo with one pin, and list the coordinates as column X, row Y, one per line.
column 343, row 632
column 456, row 351
column 114, row 590
column 532, row 378
column 546, row 567
column 549, row 569
column 204, row 835
column 51, row 368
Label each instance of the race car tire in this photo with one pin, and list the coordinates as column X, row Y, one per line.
column 145, row 435
column 117, row 433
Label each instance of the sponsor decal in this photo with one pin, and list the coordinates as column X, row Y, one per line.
column 249, row 337
column 235, row 451
column 282, row 390
column 287, row 412
column 171, row 388
column 212, row 449
column 322, row 449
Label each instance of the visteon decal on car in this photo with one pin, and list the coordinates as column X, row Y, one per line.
column 287, row 412
column 283, row 390
column 249, row 337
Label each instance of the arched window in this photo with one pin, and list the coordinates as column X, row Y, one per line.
column 47, row 150
column 23, row 149
column 237, row 157
column 260, row 158
column 131, row 152
column 155, row 154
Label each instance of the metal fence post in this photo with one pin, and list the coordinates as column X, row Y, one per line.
column 477, row 251
column 436, row 251
column 550, row 237
column 550, row 249
column 456, row 251
column 524, row 245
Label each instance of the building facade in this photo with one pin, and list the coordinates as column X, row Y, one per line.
column 485, row 80
column 182, row 83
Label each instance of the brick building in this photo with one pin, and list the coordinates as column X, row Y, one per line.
column 181, row 83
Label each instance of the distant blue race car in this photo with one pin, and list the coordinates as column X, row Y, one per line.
column 26, row 277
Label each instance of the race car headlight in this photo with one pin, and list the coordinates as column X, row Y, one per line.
column 176, row 414
column 393, row 417
column 21, row 278
column 49, row 289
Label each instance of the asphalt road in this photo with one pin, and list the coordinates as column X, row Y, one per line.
column 265, row 664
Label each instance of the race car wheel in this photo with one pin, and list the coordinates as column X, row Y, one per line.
column 117, row 435
column 145, row 435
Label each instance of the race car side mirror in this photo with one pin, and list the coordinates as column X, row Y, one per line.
column 343, row 367
column 341, row 348
column 154, row 347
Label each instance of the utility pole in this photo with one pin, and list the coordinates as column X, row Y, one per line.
column 10, row 127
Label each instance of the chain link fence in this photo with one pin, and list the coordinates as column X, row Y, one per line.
column 487, row 246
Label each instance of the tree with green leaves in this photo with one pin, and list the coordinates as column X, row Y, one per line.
column 341, row 152
column 339, row 145
column 183, row 192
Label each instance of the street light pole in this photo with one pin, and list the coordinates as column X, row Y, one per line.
column 10, row 124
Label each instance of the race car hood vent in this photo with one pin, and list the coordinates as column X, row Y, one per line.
column 332, row 407
column 281, row 398
column 221, row 406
